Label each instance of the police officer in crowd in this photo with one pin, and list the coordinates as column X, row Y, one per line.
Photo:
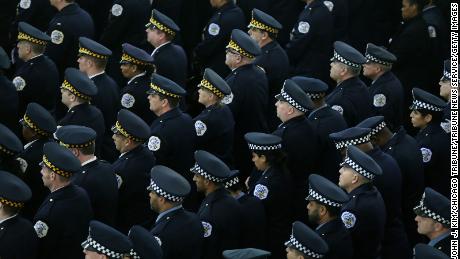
column 220, row 213
column 10, row 147
column 96, row 176
column 249, row 87
column 324, row 121
column 445, row 92
column 136, row 65
column 61, row 222
column 264, row 29
column 38, row 127
column 310, row 45
column 433, row 219
column 304, row 243
column 214, row 125
column 325, row 201
column 145, row 245
column 36, row 80
column 179, row 231
column 104, row 241
column 17, row 235
column 422, row 251
column 350, row 97
column 37, row 13
column 77, row 91
column 9, row 98
column 170, row 59
column 386, row 91
column 132, row 169
column 434, row 142
column 364, row 214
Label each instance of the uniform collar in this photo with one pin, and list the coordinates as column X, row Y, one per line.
column 89, row 161
column 170, row 114
column 434, row 241
column 157, row 48
column 2, row 221
column 317, row 110
column 360, row 189
column 136, row 76
column 29, row 144
column 95, row 75
column 167, row 212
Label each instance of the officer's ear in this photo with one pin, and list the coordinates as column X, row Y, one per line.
column 427, row 118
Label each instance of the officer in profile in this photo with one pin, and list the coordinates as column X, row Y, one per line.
column 17, row 235
column 61, row 222
column 304, row 243
column 145, row 245
column 10, row 147
column 445, row 92
column 179, row 231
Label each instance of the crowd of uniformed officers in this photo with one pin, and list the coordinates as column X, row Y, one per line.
column 247, row 129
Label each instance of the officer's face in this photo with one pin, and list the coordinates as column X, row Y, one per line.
column 407, row 10
column 155, row 103
column 418, row 120
column 292, row 253
column 120, row 142
column 445, row 87
column 200, row 182
column 425, row 226
column 346, row 178
column 336, row 70
column 313, row 212
column 128, row 70
column 232, row 58
column 259, row 161
column 92, row 255
column 256, row 34
column 154, row 202
column 83, row 63
column 283, row 110
column 46, row 176
column 154, row 36
column 370, row 70
column 23, row 49
column 66, row 97
column 204, row 96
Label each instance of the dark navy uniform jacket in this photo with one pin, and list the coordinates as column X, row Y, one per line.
column 64, row 29
column 444, row 245
column 9, row 102
column 446, row 120
column 133, row 176
column 387, row 97
column 364, row 216
column 310, row 48
column 37, row 80
column 99, row 181
column 18, row 239
column 254, row 222
column 37, row 13
column 325, row 121
column 351, row 98
column 221, row 218
column 434, row 144
column 211, row 51
column 217, row 138
column 134, row 98
column 338, row 239
column 66, row 212
column 340, row 15
column 181, row 234
column 274, row 189
column 171, row 62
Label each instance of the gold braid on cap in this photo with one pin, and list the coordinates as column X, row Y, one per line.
column 55, row 169
column 206, row 84
column 126, row 134
column 87, row 144
column 162, row 91
column 85, row 51
column 6, row 151
column 133, row 60
column 233, row 45
column 162, row 27
column 27, row 37
column 34, row 127
column 66, row 85
column 259, row 25
column 14, row 204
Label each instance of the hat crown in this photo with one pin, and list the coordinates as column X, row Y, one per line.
column 9, row 142
column 212, row 165
column 75, row 134
column 363, row 160
column 170, row 181
column 327, row 189
column 13, row 188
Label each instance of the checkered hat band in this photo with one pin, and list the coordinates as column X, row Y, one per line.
column 291, row 101
column 231, row 182
column 14, row 204
column 102, row 249
column 313, row 95
column 371, row 58
column 66, row 85
column 446, row 74
column 423, row 105
column 264, row 148
column 160, row 90
column 162, row 27
column 348, row 161
column 345, row 143
column 317, row 196
column 55, row 168
column 378, row 128
column 431, row 214
column 134, row 255
column 126, row 134
column 206, row 84
column 198, row 170
column 33, row 126
column 293, row 242
column 85, row 51
column 155, row 188
column 345, row 61
column 133, row 60
column 233, row 45
column 6, row 151
column 262, row 26
column 27, row 37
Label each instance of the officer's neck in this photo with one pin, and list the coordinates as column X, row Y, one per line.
column 264, row 42
column 344, row 78
column 58, row 185
column 4, row 216
column 31, row 56
column 73, row 104
column 211, row 189
column 62, row 5
column 437, row 233
column 383, row 137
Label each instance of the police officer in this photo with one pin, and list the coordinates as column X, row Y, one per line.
column 210, row 51
column 386, row 91
column 179, row 231
column 249, row 87
column 132, row 169
column 104, row 241
column 38, row 127
column 96, row 176
column 405, row 150
column 325, row 201
column 137, row 66
column 324, row 121
column 62, row 220
column 220, row 213
column 145, row 245
column 9, row 97
column 273, row 188
column 433, row 219
column 10, row 147
column 67, row 25
column 311, row 41
column 305, row 243
column 214, row 126
column 434, row 142
column 445, row 92
column 350, row 97
column 17, row 235
column 170, row 59
column 264, row 29
column 37, row 78
column 364, row 213
column 422, row 251
column 37, row 13
column 77, row 91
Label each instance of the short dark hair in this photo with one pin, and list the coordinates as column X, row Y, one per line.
column 173, row 102
column 37, row 48
column 436, row 117
column 88, row 150
column 10, row 210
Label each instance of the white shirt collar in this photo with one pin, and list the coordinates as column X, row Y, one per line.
column 157, row 48
column 89, row 161
column 1, row 221
column 136, row 76
column 28, row 144
column 100, row 73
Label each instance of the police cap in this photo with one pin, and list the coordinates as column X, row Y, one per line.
column 168, row 184
column 210, row 167
column 375, row 123
column 39, row 120
column 362, row 163
column 446, row 71
column 79, row 84
column 295, row 96
column 10, row 144
column 131, row 126
column 258, row 141
column 165, row 87
column 242, row 43
column 75, row 136
column 347, row 55
column 313, row 87
column 31, row 34
column 92, row 48
column 13, row 191
column 136, row 56
column 145, row 245
column 422, row 100
column 326, row 192
column 246, row 253
column 435, row 206
column 380, row 55
column 163, row 23
column 60, row 160
column 106, row 240
column 306, row 241
column 214, row 83
column 264, row 21
column 350, row 136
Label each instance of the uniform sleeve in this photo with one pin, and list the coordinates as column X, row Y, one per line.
column 213, row 40
column 60, row 45
column 117, row 24
column 301, row 36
